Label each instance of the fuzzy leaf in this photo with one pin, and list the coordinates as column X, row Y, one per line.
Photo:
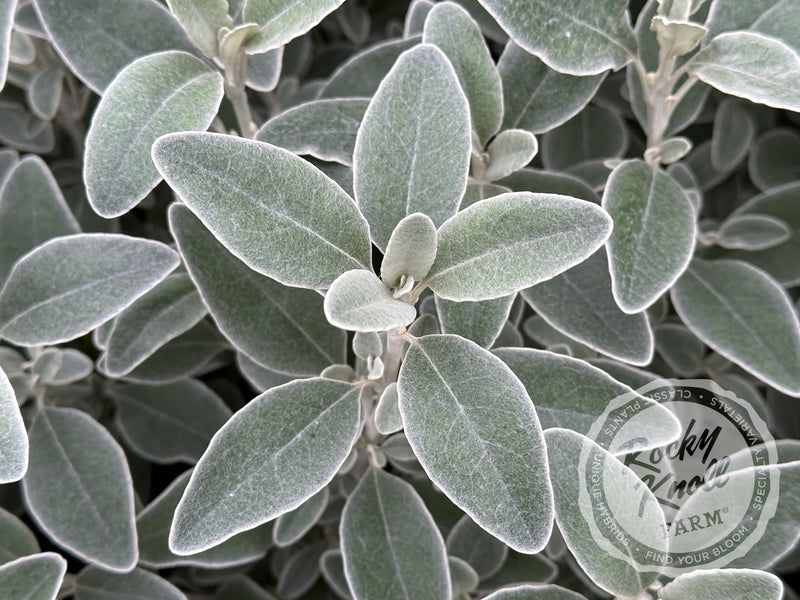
column 480, row 321
column 325, row 129
column 418, row 122
column 254, row 471
column 537, row 98
column 71, row 284
column 32, row 211
column 7, row 8
column 153, row 524
column 771, row 161
column 535, row 592
column 572, row 394
column 267, row 206
column 391, row 547
column 202, row 20
column 387, row 412
column 410, row 251
column 653, row 237
column 734, row 131
column 95, row 584
column 168, row 310
column 512, row 241
column 591, row 315
column 752, row 232
column 169, row 423
column 292, row 526
column 156, row 94
column 511, row 150
column 453, row 30
column 35, row 577
column 78, row 488
column 752, row 66
column 97, row 38
column 733, row 584
column 491, row 462
column 16, row 540
column 44, row 92
column 585, row 38
column 13, row 437
column 602, row 132
column 280, row 21
column 358, row 301
column 279, row 327
column 482, row 551
column 627, row 496
column 745, row 315
column 775, row 18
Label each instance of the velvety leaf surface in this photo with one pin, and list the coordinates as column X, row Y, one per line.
column 24, row 131
column 241, row 189
column 390, row 544
column 537, row 98
column 535, row 592
column 358, row 301
column 387, row 411
column 277, row 326
column 71, row 284
column 775, row 18
column 503, row 244
column 451, row 28
column 735, row 584
column 78, row 488
column 412, row 150
column 572, row 394
column 551, row 182
column 463, row 578
column 744, row 314
column 6, row 26
column 13, row 438
column 734, row 131
column 521, row 568
column 292, row 526
column 95, row 584
column 752, row 232
column 481, row 550
column 325, row 129
column 169, row 423
column 299, row 574
column 282, row 20
column 241, row 587
column 16, row 540
column 479, row 321
column 584, row 38
column 602, row 133
column 153, row 524
column 770, row 163
column 254, row 471
column 491, row 461
column 97, row 38
column 36, row 577
column 156, row 94
column 410, row 251
column 32, row 211
column 653, row 237
column 613, row 573
column 168, row 310
column 202, row 20
column 680, row 348
column 264, row 70
column 752, row 66
column 509, row 151
column 591, row 315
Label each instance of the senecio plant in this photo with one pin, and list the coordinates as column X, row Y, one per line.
column 323, row 299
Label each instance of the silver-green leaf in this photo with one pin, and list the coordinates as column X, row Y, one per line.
column 267, row 206
column 78, row 488
column 480, row 321
column 69, row 285
column 654, row 233
column 154, row 95
column 13, row 438
column 745, row 315
column 732, row 584
column 275, row 453
column 280, row 21
column 391, row 547
column 202, row 20
column 35, row 577
column 96, row 584
column 16, row 540
column 478, row 437
column 359, row 301
column 535, row 592
column 417, row 122
column 511, row 150
column 512, row 241
column 410, row 251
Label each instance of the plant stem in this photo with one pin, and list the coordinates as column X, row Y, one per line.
column 238, row 97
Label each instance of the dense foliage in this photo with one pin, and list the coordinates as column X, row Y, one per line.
column 325, row 299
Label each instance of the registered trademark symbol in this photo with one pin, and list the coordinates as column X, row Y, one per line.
column 724, row 509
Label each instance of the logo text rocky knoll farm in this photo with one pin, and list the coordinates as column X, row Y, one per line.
column 710, row 493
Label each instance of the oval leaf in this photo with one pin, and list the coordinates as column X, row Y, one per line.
column 280, row 21
column 16, row 540
column 279, row 327
column 391, row 547
column 267, row 206
column 745, row 315
column 358, row 301
column 279, row 450
column 78, row 488
column 202, row 21
column 591, row 316
column 418, row 122
column 653, row 237
column 13, row 438
column 71, row 284
column 95, row 584
column 157, row 94
column 480, row 321
column 483, row 552
column 734, row 131
column 511, row 150
column 734, row 584
column 759, row 68
column 492, row 430
column 752, row 232
column 587, row 38
column 97, row 38
column 36, row 577
column 535, row 592
column 512, row 241
column 292, row 526
column 410, row 251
